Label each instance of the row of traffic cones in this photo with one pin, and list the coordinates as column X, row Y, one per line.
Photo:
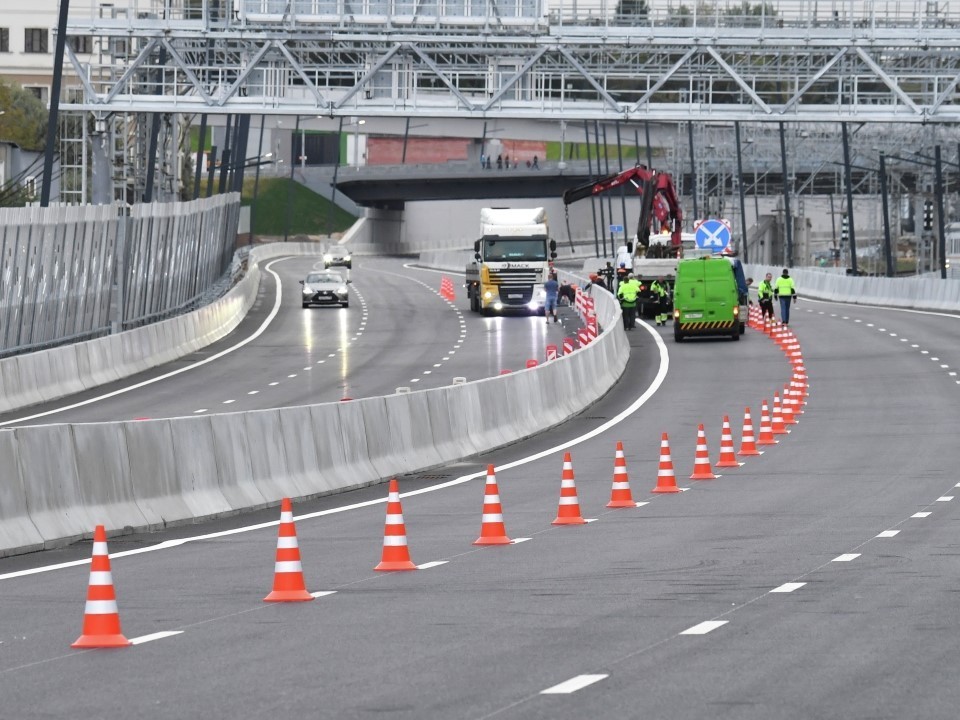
column 101, row 622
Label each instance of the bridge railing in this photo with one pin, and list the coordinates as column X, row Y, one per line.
column 72, row 273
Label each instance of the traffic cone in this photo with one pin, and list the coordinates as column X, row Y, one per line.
column 728, row 458
column 569, row 511
column 748, row 445
column 701, row 462
column 288, row 583
column 777, row 418
column 666, row 480
column 766, row 429
column 786, row 406
column 101, row 618
column 620, row 495
column 396, row 554
column 492, row 531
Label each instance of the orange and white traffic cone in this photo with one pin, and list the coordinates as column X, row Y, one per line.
column 101, row 618
column 666, row 480
column 728, row 458
column 492, row 530
column 748, row 445
column 786, row 406
column 568, row 513
column 766, row 429
column 620, row 495
column 777, row 417
column 701, row 462
column 396, row 554
column 288, row 582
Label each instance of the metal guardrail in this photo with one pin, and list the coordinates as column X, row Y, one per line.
column 71, row 273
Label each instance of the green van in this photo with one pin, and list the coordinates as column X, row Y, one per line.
column 707, row 299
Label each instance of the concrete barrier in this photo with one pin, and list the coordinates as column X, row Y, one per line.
column 914, row 292
column 65, row 479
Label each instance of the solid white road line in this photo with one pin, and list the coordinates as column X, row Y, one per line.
column 154, row 636
column 705, row 627
column 846, row 557
column 259, row 331
column 573, row 684
column 788, row 587
column 549, row 452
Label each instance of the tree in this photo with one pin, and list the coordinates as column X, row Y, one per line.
column 24, row 121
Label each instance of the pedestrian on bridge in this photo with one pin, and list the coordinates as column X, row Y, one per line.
column 552, row 289
column 787, row 293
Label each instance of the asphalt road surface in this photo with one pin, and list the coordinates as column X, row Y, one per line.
column 397, row 332
column 818, row 580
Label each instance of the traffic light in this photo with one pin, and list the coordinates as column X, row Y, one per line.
column 928, row 214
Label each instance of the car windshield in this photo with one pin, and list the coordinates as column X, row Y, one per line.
column 327, row 277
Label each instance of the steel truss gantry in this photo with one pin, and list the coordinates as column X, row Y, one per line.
column 790, row 61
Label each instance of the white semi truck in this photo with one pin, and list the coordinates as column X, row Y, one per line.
column 511, row 261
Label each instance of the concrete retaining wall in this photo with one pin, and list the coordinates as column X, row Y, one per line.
column 61, row 480
column 919, row 293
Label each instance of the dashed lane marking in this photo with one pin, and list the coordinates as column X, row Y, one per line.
column 573, row 684
column 846, row 557
column 788, row 587
column 921, row 514
column 888, row 534
column 154, row 636
column 433, row 564
column 705, row 627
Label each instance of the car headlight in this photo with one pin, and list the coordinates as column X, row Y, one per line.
column 342, row 290
column 487, row 295
column 307, row 291
column 327, row 258
column 346, row 258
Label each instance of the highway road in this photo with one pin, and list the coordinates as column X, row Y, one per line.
column 397, row 332
column 818, row 580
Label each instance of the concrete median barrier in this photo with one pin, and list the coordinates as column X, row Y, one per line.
column 155, row 473
column 17, row 531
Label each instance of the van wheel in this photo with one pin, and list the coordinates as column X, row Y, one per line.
column 677, row 335
column 736, row 332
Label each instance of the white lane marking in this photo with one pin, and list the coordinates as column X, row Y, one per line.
column 921, row 515
column 323, row 593
column 888, row 534
column 253, row 392
column 705, row 627
column 846, row 557
column 945, row 498
column 433, row 564
column 641, row 503
column 292, row 376
column 573, row 684
column 273, row 384
column 654, row 386
column 788, row 587
column 935, row 359
column 924, row 352
column 517, row 541
column 945, row 367
column 201, row 410
column 229, row 402
column 154, row 636
column 259, row 331
column 914, row 345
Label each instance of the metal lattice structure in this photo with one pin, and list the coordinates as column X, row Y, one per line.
column 787, row 61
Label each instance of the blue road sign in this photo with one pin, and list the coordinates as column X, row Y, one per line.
column 616, row 228
column 713, row 235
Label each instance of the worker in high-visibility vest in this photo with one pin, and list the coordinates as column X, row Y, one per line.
column 785, row 290
column 662, row 292
column 627, row 292
column 765, row 296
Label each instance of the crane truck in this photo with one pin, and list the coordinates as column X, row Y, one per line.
column 660, row 240
column 511, row 261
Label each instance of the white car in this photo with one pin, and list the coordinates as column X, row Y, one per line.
column 325, row 287
column 338, row 257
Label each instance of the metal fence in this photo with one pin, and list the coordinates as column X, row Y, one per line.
column 75, row 272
